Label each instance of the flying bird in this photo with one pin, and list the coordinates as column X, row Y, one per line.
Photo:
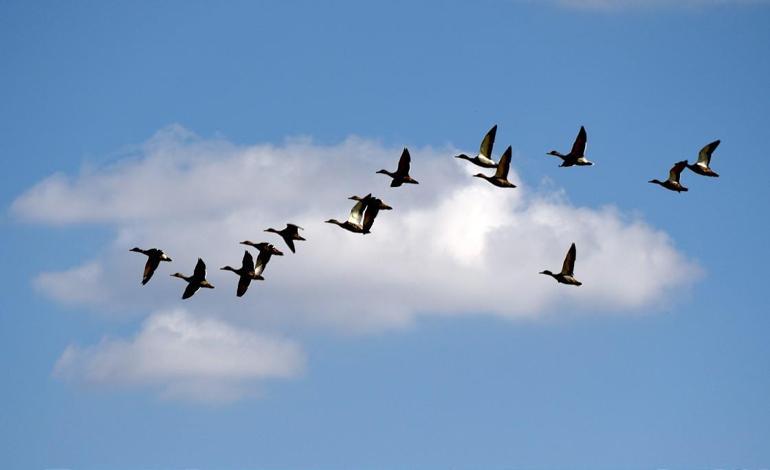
column 401, row 175
column 567, row 274
column 704, row 160
column 245, row 274
column 196, row 281
column 154, row 257
column 266, row 251
column 576, row 156
column 672, row 183
column 289, row 234
column 484, row 158
column 373, row 207
column 500, row 179
column 354, row 222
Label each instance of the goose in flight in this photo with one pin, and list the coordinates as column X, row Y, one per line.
column 672, row 183
column 567, row 274
column 289, row 234
column 576, row 156
column 501, row 175
column 484, row 158
column 196, row 281
column 401, row 175
column 704, row 160
column 154, row 257
column 266, row 251
column 373, row 207
column 245, row 274
column 354, row 222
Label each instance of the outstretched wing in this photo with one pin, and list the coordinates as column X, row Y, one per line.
column 568, row 267
column 149, row 268
column 200, row 270
column 704, row 156
column 289, row 243
column 358, row 211
column 243, row 285
column 404, row 162
column 247, row 265
column 579, row 147
column 673, row 174
column 488, row 143
column 371, row 213
column 262, row 259
column 294, row 227
column 192, row 288
column 504, row 164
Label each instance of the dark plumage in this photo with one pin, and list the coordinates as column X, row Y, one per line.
column 484, row 157
column 567, row 274
column 672, row 183
column 401, row 174
column 354, row 222
column 576, row 156
column 701, row 167
column 154, row 257
column 289, row 234
column 266, row 251
column 196, row 281
column 500, row 179
column 245, row 273
column 373, row 207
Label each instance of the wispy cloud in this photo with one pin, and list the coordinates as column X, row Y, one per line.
column 453, row 245
column 184, row 357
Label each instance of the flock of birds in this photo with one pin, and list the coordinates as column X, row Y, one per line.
column 366, row 209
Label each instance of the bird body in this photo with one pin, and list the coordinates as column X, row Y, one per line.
column 500, row 178
column 245, row 273
column 355, row 219
column 576, row 156
column 484, row 157
column 289, row 234
column 266, row 251
column 196, row 281
column 567, row 274
column 701, row 167
column 672, row 183
column 154, row 257
column 373, row 207
column 401, row 175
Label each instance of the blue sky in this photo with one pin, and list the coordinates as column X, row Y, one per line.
column 673, row 374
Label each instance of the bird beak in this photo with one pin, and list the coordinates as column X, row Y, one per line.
column 277, row 252
column 385, row 207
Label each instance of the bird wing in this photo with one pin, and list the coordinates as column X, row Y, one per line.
column 371, row 213
column 200, row 270
column 289, row 243
column 404, row 163
column 673, row 174
column 247, row 265
column 488, row 143
column 191, row 288
column 704, row 156
column 243, row 285
column 261, row 264
column 504, row 164
column 568, row 267
column 294, row 227
column 149, row 268
column 357, row 212
column 579, row 147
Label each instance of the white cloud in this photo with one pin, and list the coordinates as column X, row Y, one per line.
column 453, row 245
column 184, row 357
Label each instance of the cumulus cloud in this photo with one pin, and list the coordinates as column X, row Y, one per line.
column 453, row 245
column 184, row 357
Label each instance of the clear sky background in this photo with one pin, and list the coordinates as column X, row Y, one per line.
column 675, row 376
